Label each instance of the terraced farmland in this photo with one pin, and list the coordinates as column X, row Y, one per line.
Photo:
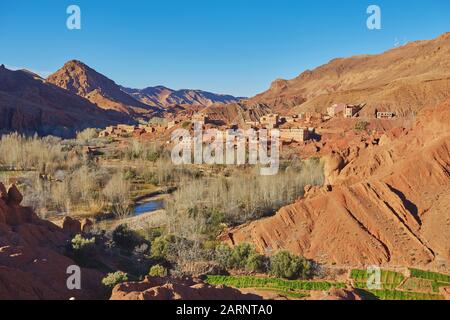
column 292, row 288
column 420, row 285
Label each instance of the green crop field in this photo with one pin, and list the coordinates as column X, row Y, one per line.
column 404, row 295
column 438, row 277
column 389, row 279
column 273, row 283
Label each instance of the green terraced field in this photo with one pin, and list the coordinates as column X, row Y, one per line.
column 273, row 283
column 438, row 277
column 389, row 279
column 403, row 295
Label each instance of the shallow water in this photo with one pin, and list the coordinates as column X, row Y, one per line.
column 149, row 206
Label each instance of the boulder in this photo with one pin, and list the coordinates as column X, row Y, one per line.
column 71, row 227
column 86, row 225
column 14, row 196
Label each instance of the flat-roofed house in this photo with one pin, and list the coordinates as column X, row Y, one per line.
column 350, row 111
column 385, row 115
column 270, row 120
column 295, row 134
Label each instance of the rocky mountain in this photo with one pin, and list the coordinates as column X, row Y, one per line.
column 388, row 204
column 165, row 97
column 84, row 81
column 403, row 80
column 29, row 104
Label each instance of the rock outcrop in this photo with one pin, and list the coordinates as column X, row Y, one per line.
column 337, row 294
column 154, row 288
column 32, row 261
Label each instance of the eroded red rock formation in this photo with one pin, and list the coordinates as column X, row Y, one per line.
column 154, row 288
column 389, row 205
column 32, row 260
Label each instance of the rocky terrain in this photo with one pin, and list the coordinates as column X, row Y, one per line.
column 29, row 104
column 164, row 97
column 402, row 80
column 389, row 204
column 32, row 261
column 154, row 288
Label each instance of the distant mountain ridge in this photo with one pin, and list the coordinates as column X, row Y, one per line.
column 164, row 97
column 29, row 104
column 403, row 80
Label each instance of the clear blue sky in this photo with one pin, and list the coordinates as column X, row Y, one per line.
column 225, row 46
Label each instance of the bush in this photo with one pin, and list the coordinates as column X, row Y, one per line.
column 86, row 135
column 240, row 255
column 361, row 125
column 161, row 246
column 255, row 263
column 158, row 271
column 223, row 255
column 126, row 238
column 82, row 244
column 113, row 279
column 82, row 248
column 288, row 266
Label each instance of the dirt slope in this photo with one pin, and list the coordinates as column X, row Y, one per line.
column 403, row 80
column 390, row 205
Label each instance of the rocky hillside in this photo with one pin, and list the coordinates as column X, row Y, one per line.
column 403, row 80
column 163, row 97
column 84, row 81
column 389, row 204
column 28, row 104
column 32, row 261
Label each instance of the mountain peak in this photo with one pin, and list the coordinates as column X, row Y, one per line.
column 77, row 77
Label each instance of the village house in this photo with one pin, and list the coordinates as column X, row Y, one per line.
column 385, row 115
column 350, row 111
column 295, row 134
column 172, row 124
column 335, row 109
column 200, row 117
column 270, row 121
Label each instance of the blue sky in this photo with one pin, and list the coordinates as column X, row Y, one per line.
column 227, row 46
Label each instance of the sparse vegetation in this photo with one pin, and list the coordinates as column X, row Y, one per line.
column 361, row 125
column 113, row 279
column 288, row 266
column 157, row 271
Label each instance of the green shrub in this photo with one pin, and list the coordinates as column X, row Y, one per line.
column 255, row 263
column 82, row 249
column 158, row 271
column 161, row 246
column 113, row 279
column 240, row 255
column 126, row 238
column 361, row 125
column 223, row 254
column 79, row 243
column 288, row 266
